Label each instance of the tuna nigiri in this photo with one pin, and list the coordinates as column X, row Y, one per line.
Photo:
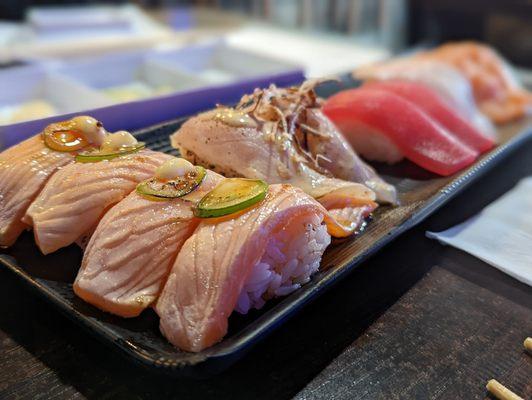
column 444, row 79
column 430, row 103
column 26, row 167
column 239, row 262
column 76, row 197
column 385, row 127
column 129, row 256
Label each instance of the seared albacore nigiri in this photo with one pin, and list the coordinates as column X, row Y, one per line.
column 432, row 104
column 280, row 136
column 26, row 167
column 130, row 254
column 386, row 127
column 240, row 261
column 76, row 197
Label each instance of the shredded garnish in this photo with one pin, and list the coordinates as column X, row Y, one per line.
column 282, row 115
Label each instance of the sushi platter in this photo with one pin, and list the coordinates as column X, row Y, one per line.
column 196, row 226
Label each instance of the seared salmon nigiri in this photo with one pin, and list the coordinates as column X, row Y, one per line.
column 76, row 197
column 27, row 166
column 239, row 261
column 130, row 254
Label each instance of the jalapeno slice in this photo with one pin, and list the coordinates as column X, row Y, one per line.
column 231, row 196
column 174, row 188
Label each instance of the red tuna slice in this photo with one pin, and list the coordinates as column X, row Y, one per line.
column 432, row 104
column 379, row 123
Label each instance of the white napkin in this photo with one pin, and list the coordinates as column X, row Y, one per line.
column 500, row 235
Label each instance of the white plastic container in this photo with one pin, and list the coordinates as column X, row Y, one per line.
column 218, row 62
column 135, row 75
column 131, row 90
column 32, row 92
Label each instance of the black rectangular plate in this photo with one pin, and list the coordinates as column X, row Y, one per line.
column 139, row 339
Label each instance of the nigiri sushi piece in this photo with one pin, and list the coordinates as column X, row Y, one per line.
column 239, row 262
column 255, row 160
column 336, row 156
column 443, row 78
column 75, row 199
column 497, row 92
column 429, row 102
column 27, row 166
column 129, row 256
column 280, row 136
column 383, row 126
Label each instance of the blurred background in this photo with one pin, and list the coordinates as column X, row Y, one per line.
column 506, row 24
column 134, row 63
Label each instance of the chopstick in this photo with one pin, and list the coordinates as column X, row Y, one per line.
column 528, row 344
column 500, row 391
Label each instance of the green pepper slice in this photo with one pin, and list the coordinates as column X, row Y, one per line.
column 96, row 156
column 230, row 196
column 172, row 189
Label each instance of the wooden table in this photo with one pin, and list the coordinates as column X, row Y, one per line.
column 419, row 320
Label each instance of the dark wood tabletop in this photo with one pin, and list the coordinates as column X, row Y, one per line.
column 417, row 321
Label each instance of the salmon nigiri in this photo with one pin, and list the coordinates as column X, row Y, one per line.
column 383, row 126
column 280, row 136
column 497, row 92
column 239, row 262
column 129, row 256
column 26, row 167
column 76, row 197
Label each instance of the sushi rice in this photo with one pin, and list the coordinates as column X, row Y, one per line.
column 286, row 263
